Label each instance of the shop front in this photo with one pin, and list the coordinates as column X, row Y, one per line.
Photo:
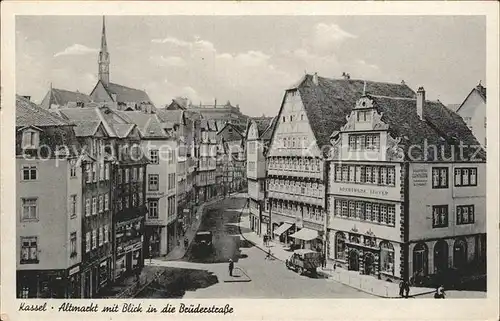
column 264, row 224
column 74, row 282
column 153, row 235
column 41, row 284
column 283, row 232
column 307, row 238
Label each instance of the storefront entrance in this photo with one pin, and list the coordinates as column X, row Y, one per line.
column 440, row 256
column 369, row 264
column 353, row 260
column 460, row 254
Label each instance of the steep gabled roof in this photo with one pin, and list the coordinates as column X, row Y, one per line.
column 30, row 114
column 126, row 94
column 479, row 89
column 329, row 101
column 168, row 115
column 62, row 97
column 440, row 127
column 268, row 132
column 149, row 125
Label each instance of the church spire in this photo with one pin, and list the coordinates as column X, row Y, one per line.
column 104, row 56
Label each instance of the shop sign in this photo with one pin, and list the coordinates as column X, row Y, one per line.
column 74, row 270
column 154, row 222
column 155, row 194
column 420, row 176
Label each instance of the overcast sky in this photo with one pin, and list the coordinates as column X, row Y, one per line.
column 250, row 60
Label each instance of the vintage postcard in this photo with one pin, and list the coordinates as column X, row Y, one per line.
column 249, row 160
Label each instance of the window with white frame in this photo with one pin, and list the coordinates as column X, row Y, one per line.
column 101, row 203
column 87, row 242
column 94, row 205
column 72, row 245
column 31, row 139
column 101, row 171
column 106, row 171
column 153, row 180
column 29, row 173
column 101, row 236
column 94, row 172
column 29, row 250
column 153, row 209
column 440, row 177
column 106, row 233
column 29, row 209
column 465, row 214
column 439, row 216
column 153, row 155
column 94, row 239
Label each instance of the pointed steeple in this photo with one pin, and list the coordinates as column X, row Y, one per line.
column 104, row 56
column 104, row 45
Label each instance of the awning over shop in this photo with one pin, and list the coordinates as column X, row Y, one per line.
column 305, row 234
column 280, row 230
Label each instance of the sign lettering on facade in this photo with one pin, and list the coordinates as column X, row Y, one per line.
column 74, row 270
column 420, row 176
column 366, row 191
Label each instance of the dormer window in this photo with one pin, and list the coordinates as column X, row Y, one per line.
column 31, row 139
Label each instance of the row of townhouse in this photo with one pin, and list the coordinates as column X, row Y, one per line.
column 372, row 175
column 79, row 187
column 231, row 146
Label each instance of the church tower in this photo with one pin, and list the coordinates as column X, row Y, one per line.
column 104, row 57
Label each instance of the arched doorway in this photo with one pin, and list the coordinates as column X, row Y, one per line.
column 420, row 260
column 387, row 257
column 460, row 253
column 353, row 260
column 440, row 256
column 369, row 263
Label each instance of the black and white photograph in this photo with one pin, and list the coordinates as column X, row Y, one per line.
column 211, row 156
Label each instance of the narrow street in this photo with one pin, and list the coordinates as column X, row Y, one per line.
column 207, row 277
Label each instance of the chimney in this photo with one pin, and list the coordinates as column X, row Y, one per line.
column 420, row 102
column 315, row 78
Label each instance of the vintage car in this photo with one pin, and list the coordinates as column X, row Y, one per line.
column 202, row 245
column 303, row 261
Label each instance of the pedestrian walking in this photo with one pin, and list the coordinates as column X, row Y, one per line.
column 439, row 293
column 265, row 239
column 323, row 260
column 407, row 289
column 401, row 288
column 231, row 267
column 334, row 266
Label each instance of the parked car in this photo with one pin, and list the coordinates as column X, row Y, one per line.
column 303, row 261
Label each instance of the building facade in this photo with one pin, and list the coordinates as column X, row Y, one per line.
column 258, row 129
column 48, row 199
column 401, row 204
column 207, row 163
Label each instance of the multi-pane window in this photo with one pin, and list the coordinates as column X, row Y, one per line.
column 29, row 250
column 359, row 142
column 153, row 180
column 465, row 176
column 153, row 209
column 29, row 209
column 29, row 172
column 101, row 236
column 153, row 155
column 101, row 171
column 366, row 174
column 127, row 172
column 465, row 214
column 106, row 171
column 72, row 205
column 101, row 203
column 440, row 216
column 87, row 242
column 94, row 205
column 94, row 172
column 72, row 171
column 440, row 177
column 94, row 239
column 366, row 211
column 87, row 207
column 72, row 245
